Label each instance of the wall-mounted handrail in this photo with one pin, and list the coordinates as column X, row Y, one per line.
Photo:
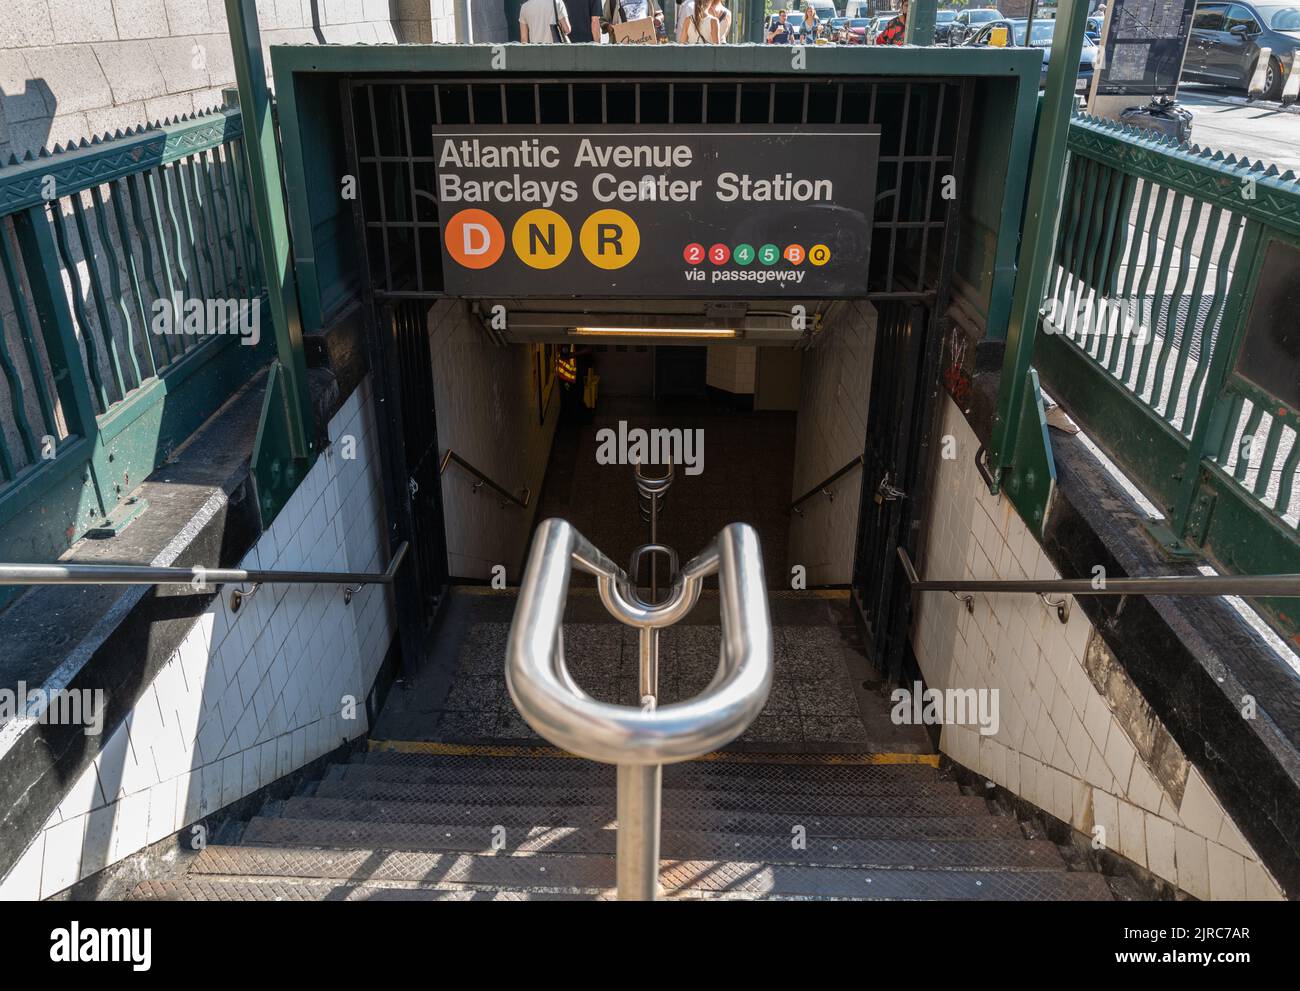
column 1284, row 586
column 137, row 574
column 640, row 740
column 824, row 485
column 519, row 500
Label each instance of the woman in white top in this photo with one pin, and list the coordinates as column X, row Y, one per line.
column 699, row 26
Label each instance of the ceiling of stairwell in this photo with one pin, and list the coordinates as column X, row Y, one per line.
column 767, row 321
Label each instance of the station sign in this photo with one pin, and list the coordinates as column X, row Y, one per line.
column 656, row 210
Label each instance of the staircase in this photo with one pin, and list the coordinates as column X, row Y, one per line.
column 464, row 823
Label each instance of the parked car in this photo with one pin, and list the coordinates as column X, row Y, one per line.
column 1040, row 38
column 967, row 22
column 857, row 31
column 1226, row 40
column 943, row 21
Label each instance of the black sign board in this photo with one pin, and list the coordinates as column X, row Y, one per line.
column 656, row 210
column 1270, row 349
column 1144, row 45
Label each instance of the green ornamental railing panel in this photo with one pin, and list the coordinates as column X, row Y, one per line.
column 1166, row 332
column 128, row 282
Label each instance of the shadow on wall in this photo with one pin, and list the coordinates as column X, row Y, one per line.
column 84, row 280
column 25, row 117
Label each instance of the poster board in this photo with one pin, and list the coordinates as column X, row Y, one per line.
column 640, row 32
column 1143, row 44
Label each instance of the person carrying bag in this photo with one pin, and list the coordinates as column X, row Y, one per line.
column 558, row 35
column 699, row 25
column 634, row 12
column 544, row 22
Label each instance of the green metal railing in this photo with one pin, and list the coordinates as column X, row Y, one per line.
column 1158, row 265
column 92, row 399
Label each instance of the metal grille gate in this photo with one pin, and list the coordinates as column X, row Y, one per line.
column 923, row 137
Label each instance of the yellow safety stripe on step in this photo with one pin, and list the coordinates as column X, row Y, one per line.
column 721, row 756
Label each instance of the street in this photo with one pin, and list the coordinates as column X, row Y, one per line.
column 1260, row 131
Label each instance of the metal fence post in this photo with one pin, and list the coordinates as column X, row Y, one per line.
column 921, row 15
column 1037, row 245
column 640, row 790
column 270, row 221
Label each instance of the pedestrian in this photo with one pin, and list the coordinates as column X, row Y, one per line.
column 543, row 22
column 779, row 32
column 626, row 11
column 586, row 20
column 896, row 29
column 811, row 26
column 698, row 26
column 723, row 15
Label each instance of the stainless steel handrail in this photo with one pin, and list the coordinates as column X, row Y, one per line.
column 483, row 479
column 653, row 493
column 824, row 485
column 640, row 740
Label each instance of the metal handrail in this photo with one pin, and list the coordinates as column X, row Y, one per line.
column 139, row 574
column 824, row 485
column 483, row 479
column 1277, row 586
column 653, row 493
column 640, row 740
column 199, row 577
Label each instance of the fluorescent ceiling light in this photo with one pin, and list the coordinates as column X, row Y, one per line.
column 652, row 332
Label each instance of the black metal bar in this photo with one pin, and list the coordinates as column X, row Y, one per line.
column 451, row 456
column 134, row 574
column 827, row 481
column 1277, row 586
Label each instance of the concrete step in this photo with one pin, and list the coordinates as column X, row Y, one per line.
column 581, row 873
column 748, row 766
column 576, row 793
column 326, row 812
column 251, row 889
column 890, row 780
column 939, row 854
column 489, row 805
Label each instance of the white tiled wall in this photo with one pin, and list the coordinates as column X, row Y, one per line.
column 831, row 430
column 1060, row 744
column 248, row 696
column 487, row 408
column 731, row 368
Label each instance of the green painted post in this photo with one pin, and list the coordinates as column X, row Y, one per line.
column 755, row 22
column 920, row 22
column 1042, row 215
column 266, row 190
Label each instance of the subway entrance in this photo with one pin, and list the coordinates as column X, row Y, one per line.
column 530, row 370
